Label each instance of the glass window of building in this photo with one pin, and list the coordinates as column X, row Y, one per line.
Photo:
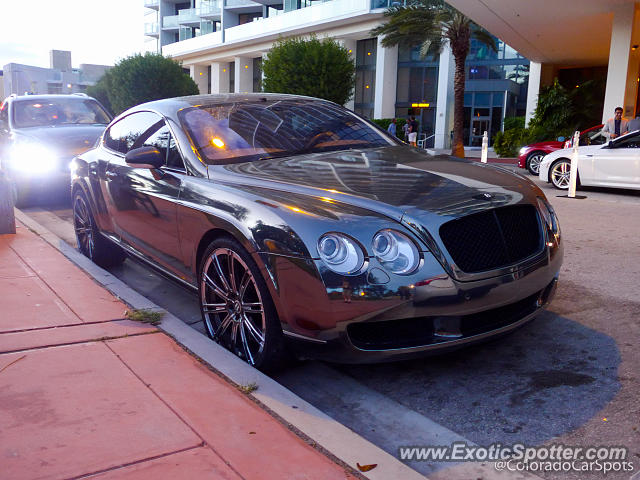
column 365, row 77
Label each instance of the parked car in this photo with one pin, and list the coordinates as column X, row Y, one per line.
column 530, row 156
column 39, row 136
column 614, row 164
column 303, row 227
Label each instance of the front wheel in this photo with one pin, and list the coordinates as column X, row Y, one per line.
column 533, row 162
column 559, row 174
column 88, row 238
column 237, row 309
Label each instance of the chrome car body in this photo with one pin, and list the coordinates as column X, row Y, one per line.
column 468, row 222
column 36, row 149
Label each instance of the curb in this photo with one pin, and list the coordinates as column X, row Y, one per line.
column 330, row 435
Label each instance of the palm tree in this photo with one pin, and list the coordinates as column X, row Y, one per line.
column 430, row 24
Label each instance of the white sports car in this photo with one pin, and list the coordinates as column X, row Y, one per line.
column 614, row 164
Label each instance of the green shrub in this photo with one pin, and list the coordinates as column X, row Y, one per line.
column 142, row 78
column 513, row 122
column 317, row 68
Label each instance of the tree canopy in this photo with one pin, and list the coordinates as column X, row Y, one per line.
column 313, row 67
column 141, row 78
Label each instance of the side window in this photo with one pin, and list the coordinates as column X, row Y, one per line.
column 123, row 135
column 631, row 142
column 159, row 136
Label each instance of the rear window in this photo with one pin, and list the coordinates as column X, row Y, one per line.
column 247, row 131
column 72, row 110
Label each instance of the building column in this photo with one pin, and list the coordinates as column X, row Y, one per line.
column 444, row 102
column 350, row 45
column 219, row 77
column 244, row 75
column 386, row 81
column 621, row 77
column 200, row 75
column 533, row 89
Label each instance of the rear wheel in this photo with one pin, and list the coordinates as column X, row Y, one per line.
column 533, row 162
column 559, row 174
column 90, row 242
column 237, row 309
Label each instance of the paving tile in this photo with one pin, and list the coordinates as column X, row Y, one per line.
column 68, row 411
column 10, row 264
column 85, row 297
column 233, row 425
column 196, row 464
column 26, row 302
column 15, row 341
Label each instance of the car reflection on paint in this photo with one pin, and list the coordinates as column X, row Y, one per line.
column 306, row 229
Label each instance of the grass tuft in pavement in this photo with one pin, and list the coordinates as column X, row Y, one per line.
column 144, row 316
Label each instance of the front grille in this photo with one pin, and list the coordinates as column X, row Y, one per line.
column 493, row 238
column 420, row 331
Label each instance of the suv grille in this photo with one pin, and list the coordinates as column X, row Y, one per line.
column 493, row 238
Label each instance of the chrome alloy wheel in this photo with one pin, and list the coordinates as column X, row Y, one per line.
column 560, row 172
column 232, row 306
column 83, row 226
column 533, row 164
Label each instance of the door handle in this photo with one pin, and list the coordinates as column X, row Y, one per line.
column 588, row 155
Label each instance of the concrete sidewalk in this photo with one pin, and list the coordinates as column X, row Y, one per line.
column 83, row 391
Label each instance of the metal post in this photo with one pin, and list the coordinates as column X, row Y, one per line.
column 7, row 219
column 485, row 147
column 573, row 176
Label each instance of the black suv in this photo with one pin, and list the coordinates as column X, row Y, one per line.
column 41, row 134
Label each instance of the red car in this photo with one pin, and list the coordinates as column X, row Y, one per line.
column 530, row 156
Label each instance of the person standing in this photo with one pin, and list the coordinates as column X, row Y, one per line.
column 634, row 124
column 616, row 126
column 392, row 127
column 413, row 131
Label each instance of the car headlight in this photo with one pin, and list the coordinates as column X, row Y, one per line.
column 523, row 150
column 340, row 253
column 550, row 217
column 32, row 158
column 395, row 251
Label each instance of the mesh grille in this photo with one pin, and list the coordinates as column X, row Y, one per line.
column 492, row 239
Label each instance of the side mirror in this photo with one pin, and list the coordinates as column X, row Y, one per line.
column 145, row 157
column 561, row 139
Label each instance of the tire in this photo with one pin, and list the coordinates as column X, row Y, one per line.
column 237, row 309
column 90, row 241
column 533, row 162
column 559, row 173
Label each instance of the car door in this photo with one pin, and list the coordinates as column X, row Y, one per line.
column 142, row 201
column 618, row 163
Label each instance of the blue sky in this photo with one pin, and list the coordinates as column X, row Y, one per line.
column 95, row 31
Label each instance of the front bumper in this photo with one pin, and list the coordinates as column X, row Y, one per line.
column 543, row 172
column 522, row 159
column 370, row 321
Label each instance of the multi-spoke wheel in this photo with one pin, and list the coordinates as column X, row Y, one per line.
column 90, row 243
column 236, row 307
column 533, row 162
column 559, row 174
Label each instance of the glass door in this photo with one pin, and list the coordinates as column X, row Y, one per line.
column 479, row 125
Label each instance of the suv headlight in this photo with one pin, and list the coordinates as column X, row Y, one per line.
column 32, row 158
column 340, row 253
column 395, row 251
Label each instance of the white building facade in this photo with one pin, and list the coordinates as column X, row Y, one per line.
column 222, row 43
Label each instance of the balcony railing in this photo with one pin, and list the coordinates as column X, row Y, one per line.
column 151, row 28
column 210, row 9
column 239, row 3
column 154, row 4
column 386, row 3
column 170, row 22
column 189, row 15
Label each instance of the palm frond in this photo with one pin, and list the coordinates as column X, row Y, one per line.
column 483, row 36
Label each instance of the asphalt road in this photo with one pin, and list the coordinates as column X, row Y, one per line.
column 570, row 377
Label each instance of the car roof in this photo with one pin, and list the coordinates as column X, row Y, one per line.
column 171, row 105
column 51, row 97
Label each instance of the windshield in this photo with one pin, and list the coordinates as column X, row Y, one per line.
column 246, row 131
column 72, row 110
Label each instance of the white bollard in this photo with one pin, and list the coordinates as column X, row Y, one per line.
column 485, row 147
column 573, row 176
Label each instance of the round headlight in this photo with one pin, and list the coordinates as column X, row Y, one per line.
column 340, row 253
column 395, row 251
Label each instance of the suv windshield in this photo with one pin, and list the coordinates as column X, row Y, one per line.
column 72, row 110
column 246, row 131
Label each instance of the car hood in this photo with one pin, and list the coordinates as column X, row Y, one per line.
column 66, row 140
column 397, row 181
column 548, row 143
